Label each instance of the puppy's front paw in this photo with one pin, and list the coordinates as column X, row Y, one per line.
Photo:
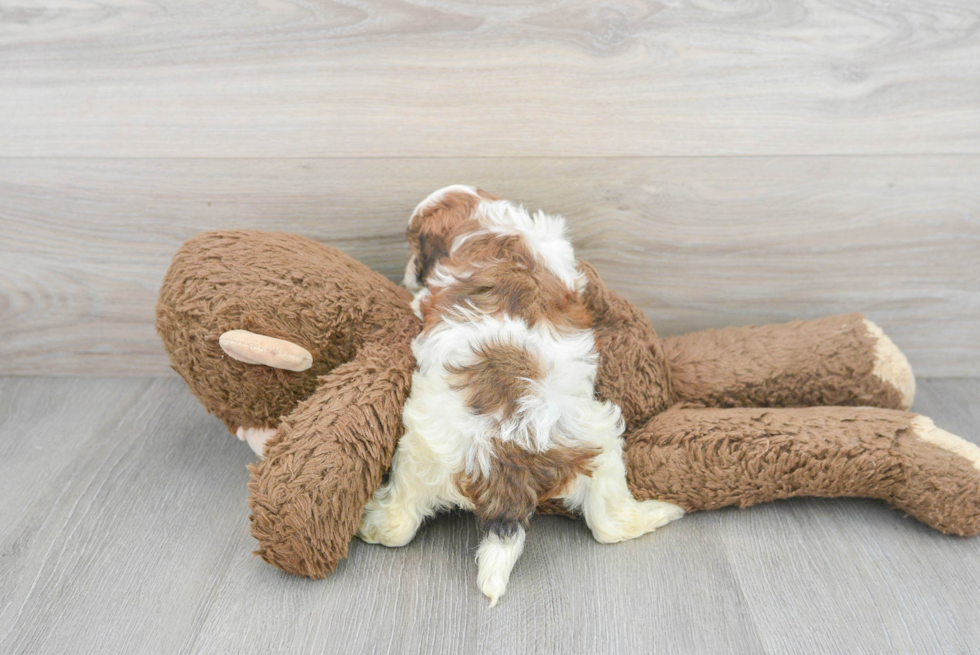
column 369, row 534
column 382, row 526
column 637, row 519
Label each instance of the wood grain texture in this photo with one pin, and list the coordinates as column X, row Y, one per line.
column 720, row 162
column 125, row 530
column 695, row 242
column 382, row 78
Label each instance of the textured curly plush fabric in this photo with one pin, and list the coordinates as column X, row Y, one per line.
column 326, row 460
column 338, row 422
column 706, row 458
column 279, row 285
column 764, row 366
column 633, row 368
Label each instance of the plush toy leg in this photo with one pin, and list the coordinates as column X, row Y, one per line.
column 703, row 459
column 327, row 459
column 837, row 360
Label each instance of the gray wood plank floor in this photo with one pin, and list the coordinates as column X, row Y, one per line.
column 124, row 529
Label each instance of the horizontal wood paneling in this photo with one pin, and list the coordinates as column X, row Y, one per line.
column 696, row 242
column 383, row 78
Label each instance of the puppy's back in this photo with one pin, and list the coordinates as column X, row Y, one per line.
column 507, row 338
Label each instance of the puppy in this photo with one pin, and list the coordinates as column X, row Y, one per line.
column 502, row 413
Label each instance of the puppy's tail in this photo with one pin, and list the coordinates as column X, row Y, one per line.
column 496, row 557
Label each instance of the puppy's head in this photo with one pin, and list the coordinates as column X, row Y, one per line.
column 446, row 214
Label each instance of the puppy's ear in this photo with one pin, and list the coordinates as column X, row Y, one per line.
column 432, row 248
column 437, row 222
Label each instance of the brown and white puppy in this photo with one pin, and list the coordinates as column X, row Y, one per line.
column 502, row 413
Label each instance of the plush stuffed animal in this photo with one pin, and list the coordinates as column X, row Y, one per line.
column 291, row 341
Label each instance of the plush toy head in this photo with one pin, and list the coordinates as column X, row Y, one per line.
column 344, row 332
column 281, row 286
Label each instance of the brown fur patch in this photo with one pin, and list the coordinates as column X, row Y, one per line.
column 519, row 479
column 431, row 231
column 500, row 275
column 497, row 380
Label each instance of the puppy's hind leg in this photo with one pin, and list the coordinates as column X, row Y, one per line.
column 419, row 485
column 604, row 498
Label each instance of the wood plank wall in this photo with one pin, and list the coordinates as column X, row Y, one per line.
column 720, row 162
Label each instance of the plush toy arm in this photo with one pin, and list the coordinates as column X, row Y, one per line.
column 326, row 459
column 704, row 458
column 837, row 360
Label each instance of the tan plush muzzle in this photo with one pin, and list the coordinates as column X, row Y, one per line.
column 254, row 348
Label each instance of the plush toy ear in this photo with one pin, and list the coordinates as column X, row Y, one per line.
column 254, row 348
column 327, row 459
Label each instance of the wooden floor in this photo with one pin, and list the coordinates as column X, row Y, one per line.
column 124, row 529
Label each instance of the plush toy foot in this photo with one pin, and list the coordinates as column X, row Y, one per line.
column 256, row 438
column 927, row 431
column 891, row 366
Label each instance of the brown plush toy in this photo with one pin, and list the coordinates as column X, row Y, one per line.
column 282, row 337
